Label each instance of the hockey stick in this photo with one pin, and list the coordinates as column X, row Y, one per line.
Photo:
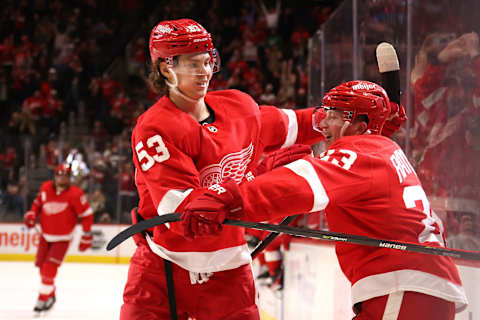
column 303, row 232
column 389, row 69
column 271, row 236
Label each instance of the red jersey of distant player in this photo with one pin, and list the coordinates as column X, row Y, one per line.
column 367, row 187
column 59, row 212
column 440, row 139
column 175, row 155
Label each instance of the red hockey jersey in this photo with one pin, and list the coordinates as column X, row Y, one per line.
column 59, row 212
column 367, row 187
column 174, row 155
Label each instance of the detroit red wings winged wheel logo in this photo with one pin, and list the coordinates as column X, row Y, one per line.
column 232, row 165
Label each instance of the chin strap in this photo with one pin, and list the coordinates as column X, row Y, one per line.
column 174, row 87
column 346, row 124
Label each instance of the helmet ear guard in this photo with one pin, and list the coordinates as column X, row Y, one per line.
column 360, row 97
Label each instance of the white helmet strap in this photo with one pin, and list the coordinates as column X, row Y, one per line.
column 174, row 87
column 346, row 124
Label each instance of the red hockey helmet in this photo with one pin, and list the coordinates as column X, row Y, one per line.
column 174, row 37
column 63, row 170
column 360, row 97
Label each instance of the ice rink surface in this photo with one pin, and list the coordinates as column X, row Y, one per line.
column 87, row 291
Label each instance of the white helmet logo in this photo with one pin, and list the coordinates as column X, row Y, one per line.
column 363, row 86
column 162, row 30
column 193, row 28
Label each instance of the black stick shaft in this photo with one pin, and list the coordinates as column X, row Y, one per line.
column 391, row 84
column 271, row 236
column 304, row 232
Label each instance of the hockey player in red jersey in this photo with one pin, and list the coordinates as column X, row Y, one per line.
column 58, row 206
column 366, row 186
column 189, row 139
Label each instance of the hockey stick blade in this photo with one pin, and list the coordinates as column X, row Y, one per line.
column 303, row 232
column 141, row 226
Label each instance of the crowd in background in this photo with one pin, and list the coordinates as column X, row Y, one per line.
column 54, row 59
column 73, row 81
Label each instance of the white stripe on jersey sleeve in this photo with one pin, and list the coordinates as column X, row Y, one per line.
column 292, row 130
column 86, row 213
column 305, row 170
column 171, row 200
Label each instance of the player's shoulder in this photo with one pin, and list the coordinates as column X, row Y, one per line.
column 365, row 142
column 75, row 190
column 229, row 93
column 163, row 118
column 162, row 111
column 370, row 148
column 231, row 98
column 47, row 185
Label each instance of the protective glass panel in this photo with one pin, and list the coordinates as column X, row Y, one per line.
column 437, row 46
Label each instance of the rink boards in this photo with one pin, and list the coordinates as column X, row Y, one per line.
column 315, row 287
column 19, row 243
column 314, row 284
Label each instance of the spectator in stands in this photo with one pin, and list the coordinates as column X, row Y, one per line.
column 52, row 154
column 100, row 135
column 34, row 105
column 467, row 237
column 127, row 191
column 12, row 206
column 97, row 203
column 288, row 81
column 271, row 14
column 268, row 97
column 274, row 58
column 113, row 122
column 24, row 121
column 10, row 161
column 79, row 168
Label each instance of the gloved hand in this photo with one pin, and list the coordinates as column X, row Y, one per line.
column 282, row 157
column 29, row 219
column 396, row 119
column 317, row 118
column 204, row 214
column 86, row 241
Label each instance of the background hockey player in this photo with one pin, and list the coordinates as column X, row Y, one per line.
column 189, row 139
column 367, row 187
column 58, row 205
